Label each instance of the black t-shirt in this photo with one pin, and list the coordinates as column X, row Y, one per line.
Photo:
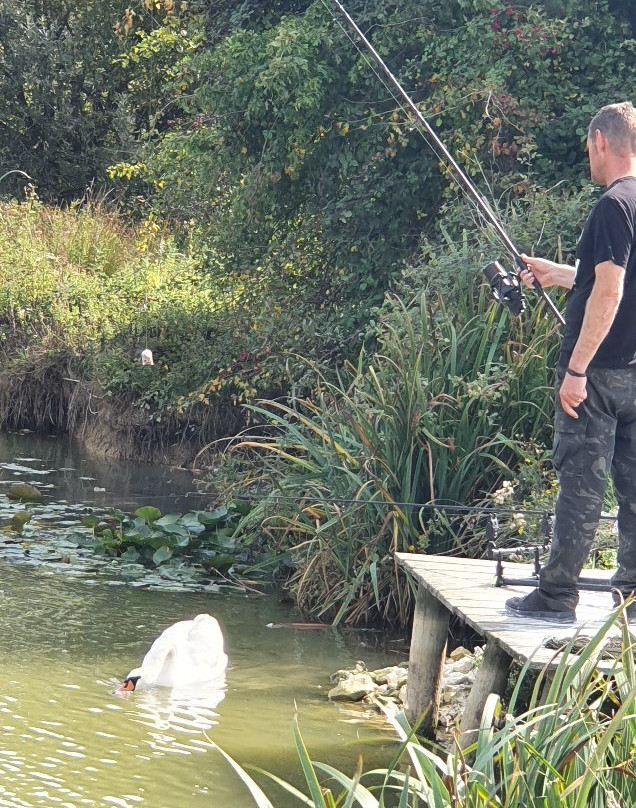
column 609, row 235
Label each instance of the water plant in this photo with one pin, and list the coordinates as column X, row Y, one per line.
column 207, row 537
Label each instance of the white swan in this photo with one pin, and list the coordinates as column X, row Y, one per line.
column 189, row 652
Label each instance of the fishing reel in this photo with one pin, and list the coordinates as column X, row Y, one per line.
column 505, row 287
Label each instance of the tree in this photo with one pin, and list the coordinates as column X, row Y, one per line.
column 64, row 115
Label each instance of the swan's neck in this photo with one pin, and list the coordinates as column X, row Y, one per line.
column 161, row 667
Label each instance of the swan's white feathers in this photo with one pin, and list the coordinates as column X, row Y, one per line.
column 188, row 652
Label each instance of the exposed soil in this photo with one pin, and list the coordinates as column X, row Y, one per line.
column 49, row 396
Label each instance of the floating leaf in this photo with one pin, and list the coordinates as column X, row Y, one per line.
column 223, row 538
column 176, row 530
column 180, row 540
column 190, row 519
column 168, row 519
column 213, row 517
column 162, row 554
column 138, row 530
column 220, row 564
column 131, row 554
column 242, row 508
column 148, row 513
column 89, row 521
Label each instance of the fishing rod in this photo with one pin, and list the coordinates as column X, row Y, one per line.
column 506, row 286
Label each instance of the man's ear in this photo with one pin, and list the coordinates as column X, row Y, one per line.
column 600, row 141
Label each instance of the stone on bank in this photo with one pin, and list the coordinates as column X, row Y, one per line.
column 388, row 685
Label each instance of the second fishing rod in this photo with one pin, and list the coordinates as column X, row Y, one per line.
column 506, row 286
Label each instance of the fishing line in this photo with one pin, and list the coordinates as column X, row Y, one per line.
column 382, row 81
column 431, row 144
column 459, row 509
column 400, row 105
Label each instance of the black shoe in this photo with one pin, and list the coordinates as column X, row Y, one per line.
column 533, row 607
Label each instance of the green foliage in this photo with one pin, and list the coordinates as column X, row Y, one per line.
column 91, row 294
column 158, row 39
column 442, row 412
column 451, row 399
column 205, row 537
column 302, row 174
column 263, row 133
column 64, row 117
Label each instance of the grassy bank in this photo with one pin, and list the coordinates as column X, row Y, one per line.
column 81, row 295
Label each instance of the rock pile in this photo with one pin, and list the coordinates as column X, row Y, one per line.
column 359, row 684
column 388, row 685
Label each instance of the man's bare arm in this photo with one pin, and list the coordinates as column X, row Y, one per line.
column 600, row 312
column 548, row 273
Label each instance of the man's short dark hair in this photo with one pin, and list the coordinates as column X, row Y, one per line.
column 618, row 123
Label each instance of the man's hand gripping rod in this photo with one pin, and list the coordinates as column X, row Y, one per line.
column 505, row 287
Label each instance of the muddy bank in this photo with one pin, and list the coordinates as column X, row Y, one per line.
column 47, row 397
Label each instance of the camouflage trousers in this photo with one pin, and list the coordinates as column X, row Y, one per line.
column 602, row 441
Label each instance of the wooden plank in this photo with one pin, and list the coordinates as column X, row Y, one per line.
column 466, row 588
column 426, row 660
column 492, row 677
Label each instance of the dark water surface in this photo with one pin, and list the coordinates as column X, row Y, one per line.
column 65, row 643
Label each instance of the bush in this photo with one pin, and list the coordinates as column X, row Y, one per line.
column 91, row 294
column 299, row 169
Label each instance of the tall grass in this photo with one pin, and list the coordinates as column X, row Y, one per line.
column 445, row 409
column 574, row 746
column 81, row 295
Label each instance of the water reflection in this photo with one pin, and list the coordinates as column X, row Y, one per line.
column 66, row 738
column 68, row 637
column 61, row 470
column 188, row 710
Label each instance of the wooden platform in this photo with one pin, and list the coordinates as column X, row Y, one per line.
column 465, row 587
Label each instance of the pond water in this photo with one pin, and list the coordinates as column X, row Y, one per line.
column 68, row 635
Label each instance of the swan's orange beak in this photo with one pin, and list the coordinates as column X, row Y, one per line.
column 126, row 687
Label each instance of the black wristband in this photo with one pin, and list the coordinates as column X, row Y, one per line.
column 575, row 373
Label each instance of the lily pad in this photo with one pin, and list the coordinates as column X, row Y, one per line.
column 168, row 519
column 176, row 530
column 242, row 508
column 162, row 554
column 220, row 564
column 190, row 519
column 24, row 493
column 213, row 517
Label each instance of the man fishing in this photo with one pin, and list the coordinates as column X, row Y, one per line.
column 595, row 420
column 595, row 425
